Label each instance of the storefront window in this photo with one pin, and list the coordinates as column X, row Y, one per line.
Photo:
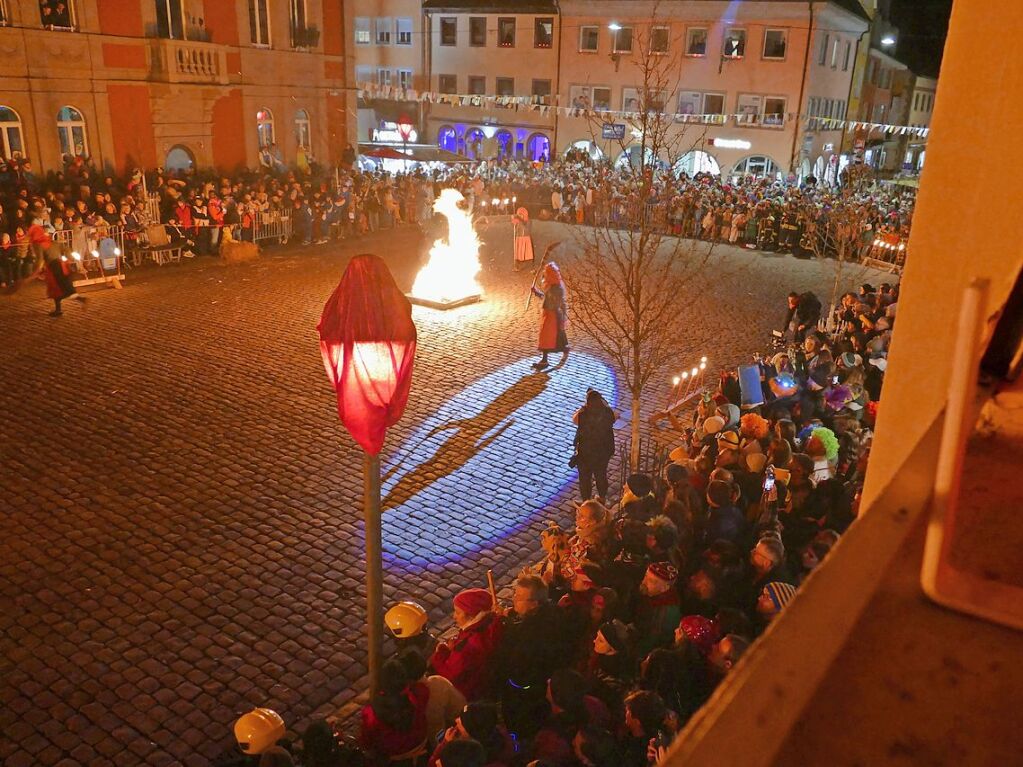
column 447, row 139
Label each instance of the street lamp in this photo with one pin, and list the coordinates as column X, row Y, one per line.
column 616, row 57
column 888, row 40
column 368, row 344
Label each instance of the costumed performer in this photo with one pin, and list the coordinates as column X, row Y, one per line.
column 554, row 320
column 522, row 229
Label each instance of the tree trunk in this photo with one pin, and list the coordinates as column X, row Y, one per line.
column 634, row 453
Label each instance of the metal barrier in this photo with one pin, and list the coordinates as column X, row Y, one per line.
column 272, row 225
column 152, row 204
column 97, row 252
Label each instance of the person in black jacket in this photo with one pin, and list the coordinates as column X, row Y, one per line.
column 803, row 314
column 594, row 444
column 532, row 647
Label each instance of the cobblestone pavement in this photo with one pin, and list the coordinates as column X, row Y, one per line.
column 180, row 528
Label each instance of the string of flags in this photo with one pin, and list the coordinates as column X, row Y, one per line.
column 369, row 90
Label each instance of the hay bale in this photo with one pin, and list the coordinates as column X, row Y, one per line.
column 239, row 252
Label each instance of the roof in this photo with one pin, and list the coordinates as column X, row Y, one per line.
column 488, row 6
column 551, row 6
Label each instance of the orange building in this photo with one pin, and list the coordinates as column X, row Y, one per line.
column 174, row 82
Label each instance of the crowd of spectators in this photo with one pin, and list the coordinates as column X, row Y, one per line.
column 626, row 625
column 760, row 213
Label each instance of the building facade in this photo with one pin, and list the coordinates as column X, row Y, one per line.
column 767, row 73
column 174, row 82
column 921, row 107
column 388, row 48
column 765, row 70
column 507, row 49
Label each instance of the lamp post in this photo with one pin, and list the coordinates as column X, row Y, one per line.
column 405, row 130
column 368, row 345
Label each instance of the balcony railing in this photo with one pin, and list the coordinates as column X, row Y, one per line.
column 185, row 61
column 305, row 37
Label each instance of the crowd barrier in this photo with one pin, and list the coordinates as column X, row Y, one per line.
column 96, row 253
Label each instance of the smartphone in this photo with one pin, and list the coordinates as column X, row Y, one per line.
column 834, row 380
column 769, row 479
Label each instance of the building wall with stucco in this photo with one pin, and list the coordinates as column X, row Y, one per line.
column 143, row 89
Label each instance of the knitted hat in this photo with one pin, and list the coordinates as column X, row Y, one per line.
column 640, row 484
column 713, row 425
column 702, row 632
column 663, row 571
column 616, row 634
column 780, row 593
column 473, row 601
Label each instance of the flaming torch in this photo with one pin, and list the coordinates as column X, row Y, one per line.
column 449, row 278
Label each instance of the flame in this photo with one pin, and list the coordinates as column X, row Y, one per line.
column 450, row 274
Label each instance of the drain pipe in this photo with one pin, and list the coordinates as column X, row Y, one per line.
column 802, row 91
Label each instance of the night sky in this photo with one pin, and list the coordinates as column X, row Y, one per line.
column 922, row 25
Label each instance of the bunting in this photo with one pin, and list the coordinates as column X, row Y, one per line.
column 539, row 105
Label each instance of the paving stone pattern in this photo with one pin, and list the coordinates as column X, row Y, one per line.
column 180, row 523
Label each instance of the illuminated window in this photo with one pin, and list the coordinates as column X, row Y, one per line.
column 57, row 14
column 71, row 132
column 735, row 44
column 302, row 132
column 506, row 32
column 265, row 127
column 543, row 32
column 10, row 133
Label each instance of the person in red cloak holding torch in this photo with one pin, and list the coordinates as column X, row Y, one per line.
column 555, row 315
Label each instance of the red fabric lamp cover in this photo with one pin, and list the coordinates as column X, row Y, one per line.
column 368, row 343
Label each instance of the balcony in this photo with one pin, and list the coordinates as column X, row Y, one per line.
column 305, row 37
column 187, row 61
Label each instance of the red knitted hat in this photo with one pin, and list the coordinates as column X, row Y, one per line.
column 473, row 601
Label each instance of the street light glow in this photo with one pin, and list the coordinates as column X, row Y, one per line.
column 887, row 40
column 614, row 26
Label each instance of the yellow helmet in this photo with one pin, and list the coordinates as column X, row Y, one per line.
column 406, row 619
column 257, row 730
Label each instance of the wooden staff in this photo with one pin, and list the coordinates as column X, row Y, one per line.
column 490, row 586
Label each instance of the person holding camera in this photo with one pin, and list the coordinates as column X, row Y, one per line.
column 594, row 444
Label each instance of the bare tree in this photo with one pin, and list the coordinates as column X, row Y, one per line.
column 630, row 274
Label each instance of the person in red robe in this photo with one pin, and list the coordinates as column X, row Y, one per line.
column 466, row 660
column 393, row 723
column 554, row 320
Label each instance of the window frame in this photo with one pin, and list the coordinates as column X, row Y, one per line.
column 763, row 122
column 667, row 39
column 727, row 37
column 822, row 55
column 7, row 125
column 834, row 52
column 616, row 40
column 262, row 123
column 305, row 122
column 544, row 97
column 724, row 100
column 593, row 97
column 785, row 39
column 296, row 9
column 356, row 28
column 497, row 86
column 383, row 25
column 440, row 84
column 171, row 17
column 66, row 131
column 689, row 42
column 473, row 22
column 503, row 24
column 538, row 22
column 406, row 74
column 384, row 77
column 72, row 14
column 398, row 32
column 469, row 89
column 848, row 53
column 254, row 17
column 452, row 23
column 582, row 32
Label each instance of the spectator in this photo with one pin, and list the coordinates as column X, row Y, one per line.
column 394, row 722
column 467, row 659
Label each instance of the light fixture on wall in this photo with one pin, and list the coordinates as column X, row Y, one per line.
column 616, row 57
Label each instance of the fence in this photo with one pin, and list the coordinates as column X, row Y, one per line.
column 153, row 208
column 272, row 225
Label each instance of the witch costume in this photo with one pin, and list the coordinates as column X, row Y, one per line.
column 554, row 320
